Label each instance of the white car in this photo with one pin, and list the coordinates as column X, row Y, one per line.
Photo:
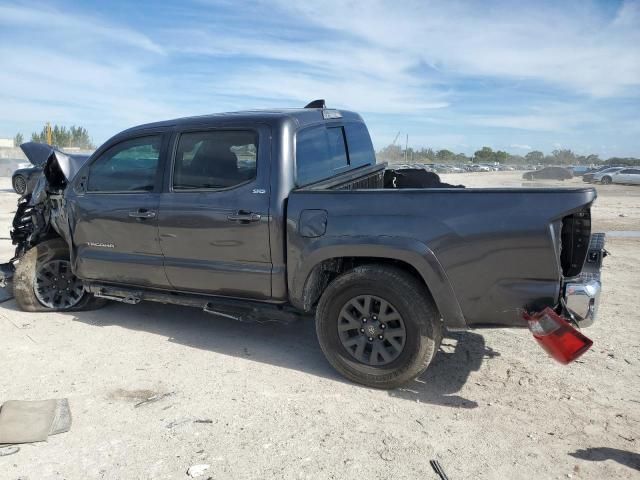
column 627, row 175
column 605, row 176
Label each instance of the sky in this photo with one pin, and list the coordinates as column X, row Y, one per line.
column 511, row 75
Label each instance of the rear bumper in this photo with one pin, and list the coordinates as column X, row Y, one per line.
column 582, row 299
column 582, row 294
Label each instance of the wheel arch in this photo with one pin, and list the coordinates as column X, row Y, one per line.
column 323, row 264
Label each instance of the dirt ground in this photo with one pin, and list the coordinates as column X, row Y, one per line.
column 259, row 400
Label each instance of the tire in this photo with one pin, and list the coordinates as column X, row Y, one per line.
column 606, row 180
column 50, row 252
column 405, row 295
column 19, row 184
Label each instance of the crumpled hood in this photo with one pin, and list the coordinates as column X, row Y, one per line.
column 41, row 153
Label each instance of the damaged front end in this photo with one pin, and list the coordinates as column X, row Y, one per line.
column 40, row 214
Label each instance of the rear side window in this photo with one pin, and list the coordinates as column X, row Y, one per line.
column 129, row 166
column 320, row 153
column 360, row 147
column 215, row 159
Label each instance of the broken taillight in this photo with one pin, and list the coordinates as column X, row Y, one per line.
column 557, row 336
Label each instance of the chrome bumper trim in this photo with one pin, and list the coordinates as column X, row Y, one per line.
column 582, row 298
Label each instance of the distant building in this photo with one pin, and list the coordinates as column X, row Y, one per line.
column 6, row 142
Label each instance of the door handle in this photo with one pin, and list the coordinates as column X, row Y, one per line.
column 244, row 217
column 142, row 214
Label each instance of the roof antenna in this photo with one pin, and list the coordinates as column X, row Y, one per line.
column 316, row 104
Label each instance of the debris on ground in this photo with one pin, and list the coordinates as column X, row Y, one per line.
column 33, row 421
column 153, row 398
column 6, row 450
column 435, row 464
column 197, row 470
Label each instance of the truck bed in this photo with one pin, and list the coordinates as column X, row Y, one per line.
column 485, row 254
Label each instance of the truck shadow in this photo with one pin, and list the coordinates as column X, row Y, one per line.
column 460, row 354
column 292, row 346
column 599, row 454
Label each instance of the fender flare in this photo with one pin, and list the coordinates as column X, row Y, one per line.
column 302, row 280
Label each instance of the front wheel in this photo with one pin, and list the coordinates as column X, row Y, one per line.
column 606, row 180
column 378, row 326
column 43, row 281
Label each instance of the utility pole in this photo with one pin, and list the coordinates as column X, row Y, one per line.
column 406, row 147
column 49, row 135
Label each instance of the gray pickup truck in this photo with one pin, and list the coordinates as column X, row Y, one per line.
column 285, row 214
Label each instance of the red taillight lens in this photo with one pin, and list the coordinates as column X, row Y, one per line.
column 560, row 340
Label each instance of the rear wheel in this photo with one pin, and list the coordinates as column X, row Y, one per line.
column 606, row 180
column 378, row 326
column 43, row 281
column 19, row 184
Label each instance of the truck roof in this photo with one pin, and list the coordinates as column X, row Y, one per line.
column 299, row 116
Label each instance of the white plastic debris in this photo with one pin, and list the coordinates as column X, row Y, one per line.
column 197, row 470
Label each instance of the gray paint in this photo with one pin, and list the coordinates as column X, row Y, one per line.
column 485, row 254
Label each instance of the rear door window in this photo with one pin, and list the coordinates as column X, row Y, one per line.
column 215, row 159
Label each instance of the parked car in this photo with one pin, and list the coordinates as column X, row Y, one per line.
column 579, row 170
column 630, row 176
column 283, row 215
column 588, row 177
column 550, row 173
column 476, row 167
column 25, row 177
column 605, row 175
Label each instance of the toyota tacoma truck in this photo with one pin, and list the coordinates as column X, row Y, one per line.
column 286, row 214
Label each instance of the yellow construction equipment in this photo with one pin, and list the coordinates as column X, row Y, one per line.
column 49, row 133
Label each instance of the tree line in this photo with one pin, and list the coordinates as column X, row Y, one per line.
column 61, row 136
column 396, row 154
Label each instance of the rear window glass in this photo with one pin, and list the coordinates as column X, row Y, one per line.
column 320, row 153
column 360, row 147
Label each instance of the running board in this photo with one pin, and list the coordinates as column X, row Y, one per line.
column 234, row 309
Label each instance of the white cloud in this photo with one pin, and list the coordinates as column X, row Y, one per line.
column 570, row 45
column 548, row 118
column 435, row 69
column 80, row 29
column 520, row 146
